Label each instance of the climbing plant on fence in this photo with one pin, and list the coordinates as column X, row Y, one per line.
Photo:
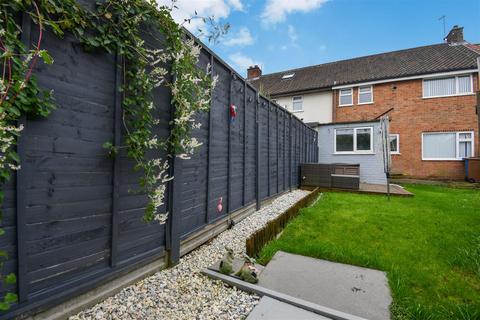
column 115, row 26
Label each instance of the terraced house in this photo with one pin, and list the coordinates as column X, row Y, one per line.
column 429, row 93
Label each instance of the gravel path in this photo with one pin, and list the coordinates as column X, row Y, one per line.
column 182, row 292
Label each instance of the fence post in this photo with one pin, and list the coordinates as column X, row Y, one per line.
column 174, row 227
column 284, row 150
column 277, row 150
column 229, row 164
column 244, row 200
column 21, row 186
column 268, row 148
column 290, row 154
column 257, row 151
column 208, row 216
column 117, row 137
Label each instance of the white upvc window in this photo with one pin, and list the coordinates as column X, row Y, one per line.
column 447, row 145
column 297, row 104
column 353, row 140
column 346, row 97
column 394, row 143
column 365, row 94
column 448, row 86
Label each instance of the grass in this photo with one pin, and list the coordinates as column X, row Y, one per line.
column 429, row 245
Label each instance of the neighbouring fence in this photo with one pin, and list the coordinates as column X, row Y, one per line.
column 70, row 217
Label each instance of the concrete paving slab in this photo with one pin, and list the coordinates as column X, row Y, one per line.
column 271, row 309
column 358, row 291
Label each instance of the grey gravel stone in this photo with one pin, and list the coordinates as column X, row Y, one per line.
column 182, row 292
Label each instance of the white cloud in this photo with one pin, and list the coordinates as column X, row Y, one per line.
column 236, row 4
column 219, row 9
column 242, row 38
column 277, row 10
column 292, row 33
column 242, row 62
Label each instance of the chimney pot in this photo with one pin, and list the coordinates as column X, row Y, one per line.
column 455, row 35
column 254, row 72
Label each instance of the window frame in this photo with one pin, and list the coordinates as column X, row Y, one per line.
column 371, row 94
column 355, row 151
column 397, row 135
column 293, row 102
column 340, row 95
column 456, row 86
column 457, row 144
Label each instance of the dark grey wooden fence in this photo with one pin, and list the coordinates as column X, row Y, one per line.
column 71, row 221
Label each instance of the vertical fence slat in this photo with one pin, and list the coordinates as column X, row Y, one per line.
column 208, row 216
column 21, row 180
column 116, row 161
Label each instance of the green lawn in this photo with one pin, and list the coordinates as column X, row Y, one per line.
column 429, row 245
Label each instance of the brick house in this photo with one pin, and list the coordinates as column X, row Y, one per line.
column 429, row 94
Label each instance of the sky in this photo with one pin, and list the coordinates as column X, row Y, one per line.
column 284, row 34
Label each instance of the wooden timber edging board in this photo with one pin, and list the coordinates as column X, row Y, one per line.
column 261, row 237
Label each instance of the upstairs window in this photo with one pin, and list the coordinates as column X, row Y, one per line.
column 297, row 103
column 353, row 140
column 346, row 97
column 444, row 87
column 365, row 94
column 447, row 145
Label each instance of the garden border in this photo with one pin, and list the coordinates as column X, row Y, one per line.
column 261, row 237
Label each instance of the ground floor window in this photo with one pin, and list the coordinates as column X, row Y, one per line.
column 395, row 143
column 354, row 140
column 447, row 145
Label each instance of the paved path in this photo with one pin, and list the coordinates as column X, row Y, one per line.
column 271, row 309
column 358, row 291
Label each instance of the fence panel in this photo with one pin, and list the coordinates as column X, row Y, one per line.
column 73, row 215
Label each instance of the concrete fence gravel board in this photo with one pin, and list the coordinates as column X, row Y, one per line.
column 70, row 217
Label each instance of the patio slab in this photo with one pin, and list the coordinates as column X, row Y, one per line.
column 358, row 291
column 271, row 309
column 395, row 189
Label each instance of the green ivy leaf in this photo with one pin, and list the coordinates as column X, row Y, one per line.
column 10, row 298
column 4, row 306
column 46, row 57
column 11, row 278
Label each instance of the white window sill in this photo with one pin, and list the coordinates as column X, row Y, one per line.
column 297, row 111
column 395, row 153
column 352, row 153
column 345, row 105
column 440, row 159
column 363, row 103
column 451, row 95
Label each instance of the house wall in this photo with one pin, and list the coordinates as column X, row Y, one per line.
column 317, row 107
column 411, row 115
column 371, row 165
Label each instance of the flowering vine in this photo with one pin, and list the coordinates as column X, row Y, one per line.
column 117, row 26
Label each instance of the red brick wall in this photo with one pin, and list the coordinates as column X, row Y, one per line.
column 413, row 115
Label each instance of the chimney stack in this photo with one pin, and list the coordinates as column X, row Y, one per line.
column 455, row 35
column 254, row 72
